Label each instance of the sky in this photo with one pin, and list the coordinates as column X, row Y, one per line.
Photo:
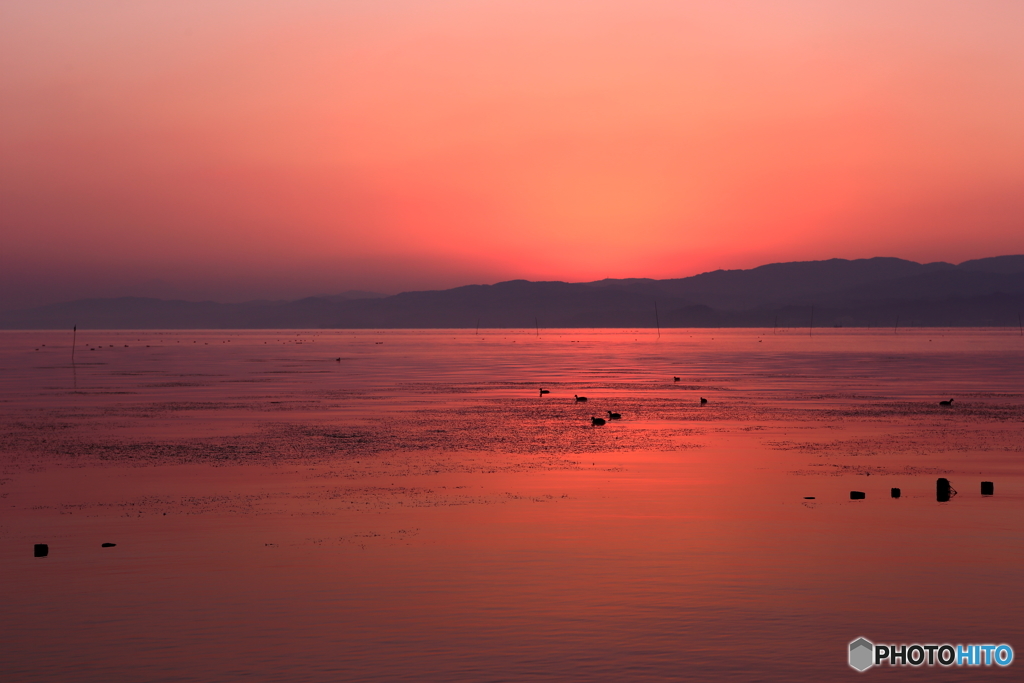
column 244, row 149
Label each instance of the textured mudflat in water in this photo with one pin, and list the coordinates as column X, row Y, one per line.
column 322, row 506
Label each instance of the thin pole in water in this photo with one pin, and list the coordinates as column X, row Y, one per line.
column 810, row 330
column 537, row 324
column 657, row 320
column 74, row 368
column 776, row 325
column 896, row 326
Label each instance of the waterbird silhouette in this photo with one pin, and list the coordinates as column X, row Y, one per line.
column 596, row 421
column 946, row 403
column 580, row 399
column 544, row 391
column 703, row 400
column 614, row 416
column 675, row 379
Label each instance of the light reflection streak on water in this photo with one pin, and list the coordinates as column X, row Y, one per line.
column 650, row 564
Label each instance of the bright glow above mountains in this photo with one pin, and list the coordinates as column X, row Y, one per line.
column 241, row 149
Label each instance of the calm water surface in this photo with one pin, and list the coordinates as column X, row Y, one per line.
column 404, row 505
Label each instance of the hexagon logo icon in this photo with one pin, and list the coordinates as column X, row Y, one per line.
column 862, row 654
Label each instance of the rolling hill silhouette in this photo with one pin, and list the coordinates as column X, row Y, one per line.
column 853, row 293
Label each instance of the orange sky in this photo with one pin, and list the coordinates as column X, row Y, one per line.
column 236, row 149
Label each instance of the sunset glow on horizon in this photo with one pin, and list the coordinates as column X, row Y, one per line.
column 233, row 150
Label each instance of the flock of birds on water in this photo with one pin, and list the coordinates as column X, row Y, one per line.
column 598, row 421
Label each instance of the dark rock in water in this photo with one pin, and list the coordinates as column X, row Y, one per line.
column 943, row 491
column 895, row 493
column 987, row 488
column 41, row 550
column 107, row 545
column 856, row 495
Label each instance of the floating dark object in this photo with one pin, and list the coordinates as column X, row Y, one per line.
column 703, row 401
column 544, row 391
column 597, row 421
column 895, row 493
column 946, row 403
column 987, row 488
column 808, row 497
column 579, row 399
column 856, row 495
column 943, row 491
column 614, row 416
column 338, row 359
column 41, row 550
column 107, row 545
column 675, row 379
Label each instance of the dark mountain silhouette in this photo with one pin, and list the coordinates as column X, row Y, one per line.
column 864, row 292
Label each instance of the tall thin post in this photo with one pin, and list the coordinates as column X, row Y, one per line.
column 896, row 326
column 537, row 324
column 74, row 368
column 657, row 320
column 776, row 325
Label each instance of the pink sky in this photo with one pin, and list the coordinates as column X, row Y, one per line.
column 238, row 149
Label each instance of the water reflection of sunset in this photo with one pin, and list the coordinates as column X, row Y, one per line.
column 417, row 509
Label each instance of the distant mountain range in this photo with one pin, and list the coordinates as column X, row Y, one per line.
column 860, row 293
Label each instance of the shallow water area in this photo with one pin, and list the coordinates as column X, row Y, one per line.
column 322, row 505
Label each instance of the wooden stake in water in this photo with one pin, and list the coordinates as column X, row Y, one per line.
column 74, row 369
column 657, row 320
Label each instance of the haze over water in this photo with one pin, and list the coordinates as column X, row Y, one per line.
column 405, row 505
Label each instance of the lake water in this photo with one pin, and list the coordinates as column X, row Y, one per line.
column 405, row 505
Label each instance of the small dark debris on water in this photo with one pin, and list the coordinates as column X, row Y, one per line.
column 41, row 550
column 857, row 495
column 988, row 488
column 107, row 545
column 894, row 492
column 808, row 497
column 943, row 491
